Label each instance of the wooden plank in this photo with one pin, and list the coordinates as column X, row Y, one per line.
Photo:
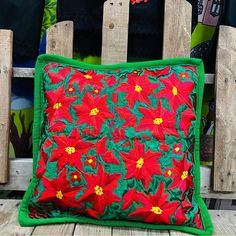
column 19, row 72
column 60, row 39
column 6, row 44
column 118, row 231
column 9, row 221
column 54, row 229
column 177, row 29
column 209, row 78
column 115, row 31
column 178, row 233
column 225, row 135
column 224, row 222
column 85, row 229
column 20, row 174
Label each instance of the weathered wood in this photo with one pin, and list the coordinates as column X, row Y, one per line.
column 9, row 219
column 177, row 29
column 178, row 233
column 19, row 72
column 117, row 231
column 224, row 222
column 85, row 229
column 60, row 39
column 19, row 175
column 54, row 229
column 225, row 135
column 6, row 44
column 115, row 31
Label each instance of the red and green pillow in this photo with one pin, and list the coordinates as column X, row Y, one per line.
column 117, row 145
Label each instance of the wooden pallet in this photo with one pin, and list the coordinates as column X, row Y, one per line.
column 224, row 224
column 177, row 33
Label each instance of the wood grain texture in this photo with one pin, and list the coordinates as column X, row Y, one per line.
column 9, row 219
column 54, row 229
column 20, row 72
column 117, row 231
column 225, row 131
column 224, row 222
column 177, row 28
column 20, row 173
column 85, row 229
column 60, row 39
column 115, row 31
column 6, row 45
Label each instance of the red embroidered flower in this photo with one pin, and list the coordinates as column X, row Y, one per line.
column 96, row 90
column 51, row 65
column 129, row 197
column 127, row 115
column 176, row 91
column 181, row 175
column 69, row 150
column 198, row 220
column 59, row 105
column 138, row 88
column 86, row 78
column 75, row 176
column 159, row 121
column 71, row 89
column 180, row 216
column 57, row 127
column 106, row 155
column 93, row 111
column 187, row 117
column 59, row 76
column 141, row 164
column 41, row 168
column 59, row 192
column 118, row 135
column 168, row 173
column 157, row 73
column 192, row 68
column 164, row 147
column 156, row 208
column 184, row 75
column 99, row 189
column 90, row 161
column 178, row 149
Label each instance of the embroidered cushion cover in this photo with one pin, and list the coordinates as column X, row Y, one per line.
column 117, row 145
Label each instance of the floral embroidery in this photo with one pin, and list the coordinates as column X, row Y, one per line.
column 141, row 164
column 156, row 208
column 93, row 111
column 176, row 91
column 159, row 121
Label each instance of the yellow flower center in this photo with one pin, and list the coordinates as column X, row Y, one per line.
column 88, row 76
column 70, row 150
column 75, row 177
column 98, row 190
column 157, row 210
column 175, row 91
column 90, row 161
column 138, row 88
column 177, row 149
column 157, row 121
column 183, row 75
column 184, row 175
column 96, row 91
column 71, row 89
column 94, row 112
column 169, row 172
column 57, row 105
column 139, row 163
column 59, row 195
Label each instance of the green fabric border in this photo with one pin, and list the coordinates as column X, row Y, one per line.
column 24, row 220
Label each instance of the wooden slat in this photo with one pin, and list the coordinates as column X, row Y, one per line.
column 6, row 44
column 115, row 31
column 117, row 231
column 20, row 175
column 84, row 229
column 225, row 131
column 60, row 39
column 19, row 72
column 9, row 221
column 178, row 233
column 224, row 222
column 54, row 229
column 177, row 28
